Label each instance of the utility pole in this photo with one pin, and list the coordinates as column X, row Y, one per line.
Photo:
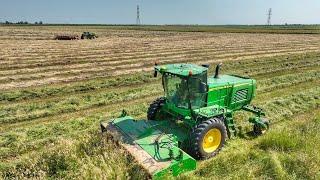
column 138, row 21
column 269, row 17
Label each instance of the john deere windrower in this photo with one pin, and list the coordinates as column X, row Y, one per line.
column 191, row 121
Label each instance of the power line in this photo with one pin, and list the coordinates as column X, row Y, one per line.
column 269, row 16
column 138, row 21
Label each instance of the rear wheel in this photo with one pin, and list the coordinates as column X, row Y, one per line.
column 154, row 109
column 208, row 138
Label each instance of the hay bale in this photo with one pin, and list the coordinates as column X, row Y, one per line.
column 66, row 37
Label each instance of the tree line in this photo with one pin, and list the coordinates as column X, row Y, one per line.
column 22, row 22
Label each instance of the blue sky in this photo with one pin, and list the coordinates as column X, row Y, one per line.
column 162, row 11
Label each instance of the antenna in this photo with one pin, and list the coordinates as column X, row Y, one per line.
column 138, row 16
column 269, row 17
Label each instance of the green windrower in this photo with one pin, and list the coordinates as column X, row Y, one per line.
column 190, row 122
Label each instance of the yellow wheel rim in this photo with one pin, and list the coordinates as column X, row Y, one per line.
column 211, row 140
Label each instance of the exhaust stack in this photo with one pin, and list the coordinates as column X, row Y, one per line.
column 216, row 75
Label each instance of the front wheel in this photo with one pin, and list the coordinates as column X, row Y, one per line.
column 208, row 138
column 154, row 112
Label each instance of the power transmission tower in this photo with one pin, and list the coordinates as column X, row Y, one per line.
column 138, row 21
column 269, row 17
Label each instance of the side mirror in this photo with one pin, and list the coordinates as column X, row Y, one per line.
column 203, row 87
column 155, row 71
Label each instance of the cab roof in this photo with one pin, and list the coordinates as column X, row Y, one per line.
column 181, row 69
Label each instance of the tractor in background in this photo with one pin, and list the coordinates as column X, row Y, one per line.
column 88, row 35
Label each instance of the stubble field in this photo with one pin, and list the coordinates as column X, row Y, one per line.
column 53, row 95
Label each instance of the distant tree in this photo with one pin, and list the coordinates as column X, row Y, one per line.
column 40, row 22
column 36, row 23
column 22, row 22
column 7, row 22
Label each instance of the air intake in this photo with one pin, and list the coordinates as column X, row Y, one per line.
column 240, row 95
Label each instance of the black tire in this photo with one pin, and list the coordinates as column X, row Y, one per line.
column 258, row 130
column 198, row 134
column 154, row 109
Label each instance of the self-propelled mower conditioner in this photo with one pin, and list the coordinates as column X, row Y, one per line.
column 191, row 121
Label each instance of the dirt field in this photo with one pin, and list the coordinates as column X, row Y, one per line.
column 54, row 93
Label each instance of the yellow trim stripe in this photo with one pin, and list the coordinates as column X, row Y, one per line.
column 241, row 84
column 223, row 87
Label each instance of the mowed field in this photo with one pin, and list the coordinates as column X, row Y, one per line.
column 53, row 94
